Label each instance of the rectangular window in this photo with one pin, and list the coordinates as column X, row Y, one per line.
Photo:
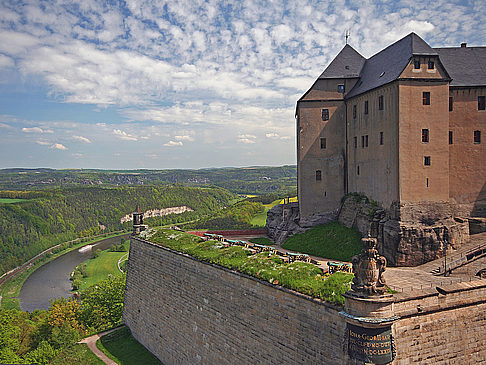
column 451, row 139
column 451, row 103
column 325, row 114
column 416, row 64
column 354, row 111
column 427, row 182
column 362, row 141
column 427, row 160
column 481, row 103
column 357, row 170
column 380, row 102
column 431, row 65
column 477, row 137
column 366, row 141
column 318, row 175
column 425, row 136
column 381, row 138
column 355, row 142
column 426, row 98
column 323, row 143
column 366, row 107
column 341, row 89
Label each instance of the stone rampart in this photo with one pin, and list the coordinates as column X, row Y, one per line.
column 189, row 312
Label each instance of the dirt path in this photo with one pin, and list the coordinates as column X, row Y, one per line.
column 91, row 342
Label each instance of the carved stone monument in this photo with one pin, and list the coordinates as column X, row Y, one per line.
column 368, row 268
column 368, row 309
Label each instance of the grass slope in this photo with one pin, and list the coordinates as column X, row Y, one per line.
column 77, row 354
column 99, row 268
column 303, row 277
column 261, row 218
column 332, row 241
column 121, row 347
column 11, row 200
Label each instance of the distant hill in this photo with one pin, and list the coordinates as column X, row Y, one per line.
column 245, row 180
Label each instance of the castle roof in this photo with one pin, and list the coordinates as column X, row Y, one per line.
column 388, row 64
column 465, row 65
column 347, row 64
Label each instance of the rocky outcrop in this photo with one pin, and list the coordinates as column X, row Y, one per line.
column 159, row 213
column 408, row 234
column 283, row 221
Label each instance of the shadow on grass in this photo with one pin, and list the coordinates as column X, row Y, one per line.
column 121, row 347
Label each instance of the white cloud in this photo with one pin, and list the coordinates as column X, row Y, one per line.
column 173, row 144
column 58, row 146
column 6, row 62
column 124, row 135
column 43, row 143
column 246, row 138
column 272, row 135
column 36, row 130
column 184, row 138
column 81, row 139
column 5, row 126
column 77, row 155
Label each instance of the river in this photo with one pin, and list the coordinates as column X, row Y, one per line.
column 51, row 280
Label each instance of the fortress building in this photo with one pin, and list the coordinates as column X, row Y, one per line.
column 406, row 128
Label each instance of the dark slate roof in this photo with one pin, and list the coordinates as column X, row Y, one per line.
column 388, row 64
column 465, row 65
column 347, row 64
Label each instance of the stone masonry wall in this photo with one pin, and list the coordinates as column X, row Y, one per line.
column 447, row 328
column 188, row 312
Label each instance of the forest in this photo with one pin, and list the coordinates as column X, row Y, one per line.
column 43, row 207
column 245, row 180
column 51, row 216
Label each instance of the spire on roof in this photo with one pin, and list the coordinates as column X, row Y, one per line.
column 138, row 210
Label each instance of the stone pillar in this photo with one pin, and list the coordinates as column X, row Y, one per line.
column 368, row 309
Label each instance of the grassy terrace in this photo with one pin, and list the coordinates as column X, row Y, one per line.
column 332, row 241
column 299, row 276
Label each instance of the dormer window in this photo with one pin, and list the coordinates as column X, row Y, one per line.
column 341, row 89
column 416, row 64
column 431, row 65
column 325, row 114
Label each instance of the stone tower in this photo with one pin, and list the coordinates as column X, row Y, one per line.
column 138, row 225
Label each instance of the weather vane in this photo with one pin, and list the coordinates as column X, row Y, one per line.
column 346, row 35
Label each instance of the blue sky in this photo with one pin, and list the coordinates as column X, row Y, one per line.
column 185, row 84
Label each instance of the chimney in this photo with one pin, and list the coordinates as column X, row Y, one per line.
column 463, row 45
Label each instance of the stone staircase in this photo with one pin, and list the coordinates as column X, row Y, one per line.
column 470, row 251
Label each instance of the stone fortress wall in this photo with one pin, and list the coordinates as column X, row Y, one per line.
column 189, row 312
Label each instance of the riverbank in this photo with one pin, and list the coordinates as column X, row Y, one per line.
column 98, row 268
column 14, row 280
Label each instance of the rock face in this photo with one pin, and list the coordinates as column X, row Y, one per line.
column 407, row 234
column 159, row 212
column 283, row 221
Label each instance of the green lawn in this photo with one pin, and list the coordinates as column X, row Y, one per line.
column 261, row 241
column 77, row 354
column 261, row 218
column 121, row 347
column 331, row 241
column 12, row 200
column 300, row 276
column 99, row 268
